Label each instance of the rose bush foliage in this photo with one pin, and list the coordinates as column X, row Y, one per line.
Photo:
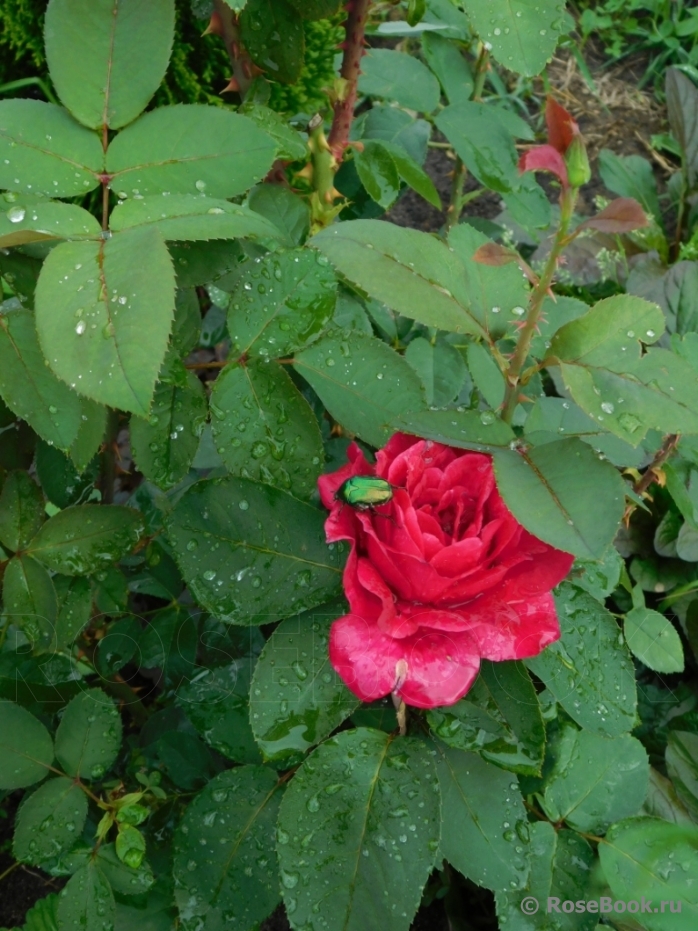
column 437, row 579
column 215, row 698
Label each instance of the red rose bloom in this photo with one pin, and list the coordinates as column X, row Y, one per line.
column 437, row 579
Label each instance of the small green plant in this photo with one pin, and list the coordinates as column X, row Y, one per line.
column 667, row 30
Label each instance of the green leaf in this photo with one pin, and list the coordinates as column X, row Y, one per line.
column 74, row 609
column 654, row 640
column 297, row 698
column 92, row 428
column 111, row 591
column 216, row 701
column 21, row 510
column 477, row 800
column 165, row 444
column 598, row 577
column 290, row 144
column 521, row 33
column 130, row 846
column 601, row 365
column 563, row 494
column 199, row 263
column 230, row 879
column 266, row 548
column 118, row 646
column 316, row 9
column 30, row 599
column 631, row 176
column 189, row 149
column 86, row 538
column 485, row 144
column 361, row 817
column 674, row 289
column 363, row 384
column 169, row 644
column 412, row 174
column 500, row 719
column 49, row 821
column 644, row 858
column 264, row 428
column 274, row 37
column 687, row 543
column 682, row 767
column 682, row 99
column 26, row 748
column 89, row 735
column 389, row 124
column 191, row 217
column 108, row 58
column 86, row 902
column 400, row 77
column 122, row 878
column 486, row 374
column 594, row 780
column 42, row 915
column 32, row 222
column 288, row 212
column 104, row 314
column 440, row 368
column 44, row 151
column 281, row 303
column 552, row 418
column 561, row 867
column 412, row 272
column 479, row 430
column 450, row 66
column 28, row 387
column 589, row 670
column 378, row 173
column 60, row 480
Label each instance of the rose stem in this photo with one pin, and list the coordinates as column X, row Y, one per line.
column 523, row 345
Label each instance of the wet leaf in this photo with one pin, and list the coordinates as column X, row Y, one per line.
column 89, row 735
column 360, row 817
column 297, row 698
column 49, row 821
column 225, row 864
column 26, row 748
column 264, row 428
column 251, row 553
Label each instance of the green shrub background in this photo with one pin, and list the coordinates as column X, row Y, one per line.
column 199, row 67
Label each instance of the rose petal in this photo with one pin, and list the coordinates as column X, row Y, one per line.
column 505, row 630
column 364, row 657
column 441, row 667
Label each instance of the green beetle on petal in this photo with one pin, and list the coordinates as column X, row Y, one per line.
column 364, row 492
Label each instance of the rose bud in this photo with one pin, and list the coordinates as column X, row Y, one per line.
column 577, row 161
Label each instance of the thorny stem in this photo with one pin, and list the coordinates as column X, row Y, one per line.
column 224, row 23
column 355, row 29
column 523, row 345
column 668, row 447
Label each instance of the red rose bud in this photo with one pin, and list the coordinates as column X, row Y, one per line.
column 440, row 575
column 577, row 161
column 562, row 127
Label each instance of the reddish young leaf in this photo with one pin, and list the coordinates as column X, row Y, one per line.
column 544, row 158
column 493, row 254
column 561, row 126
column 621, row 216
